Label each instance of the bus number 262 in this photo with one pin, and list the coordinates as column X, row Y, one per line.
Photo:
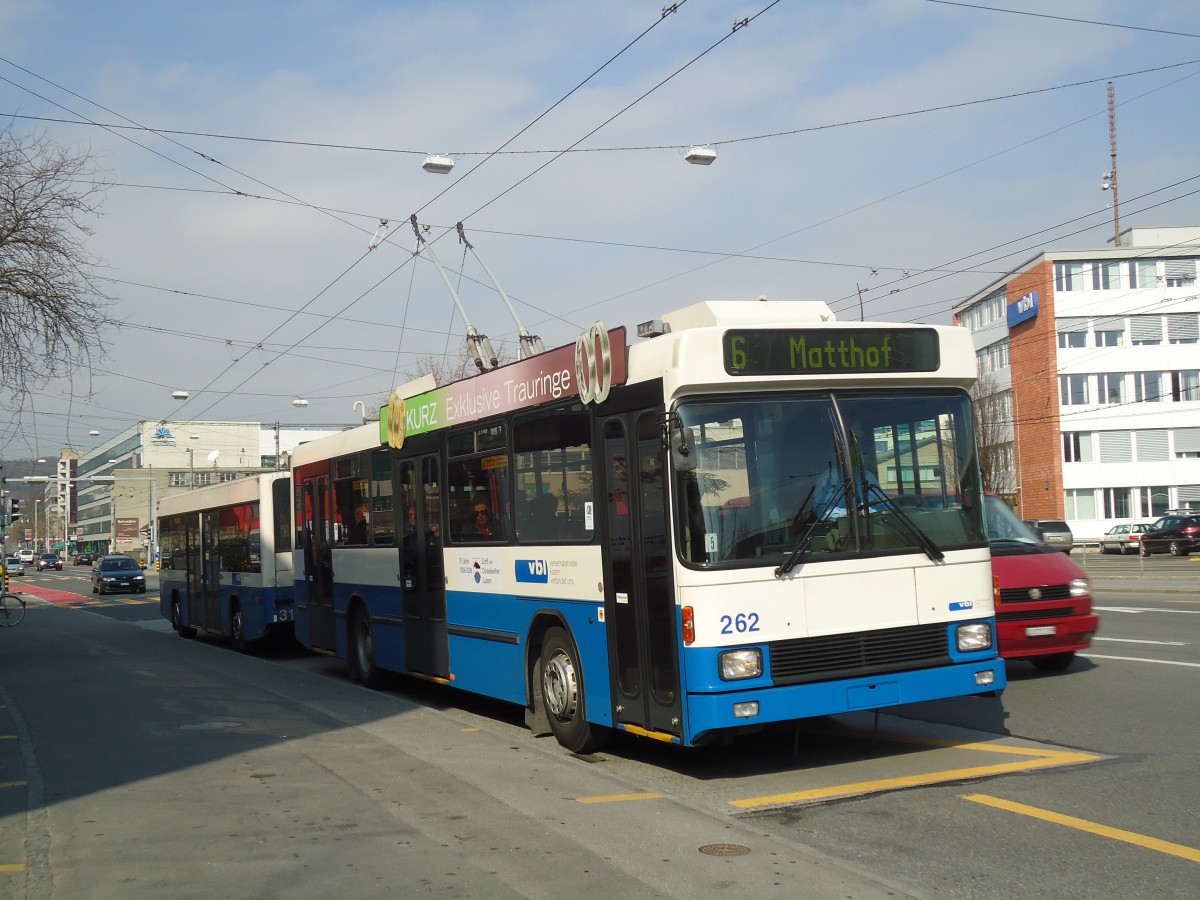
column 741, row 623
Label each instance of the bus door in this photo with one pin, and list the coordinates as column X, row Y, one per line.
column 318, row 564
column 193, row 542
column 210, row 571
column 426, row 646
column 639, row 593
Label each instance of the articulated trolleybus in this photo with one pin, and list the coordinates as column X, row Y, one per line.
column 227, row 558
column 754, row 516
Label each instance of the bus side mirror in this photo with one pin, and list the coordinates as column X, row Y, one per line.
column 683, row 449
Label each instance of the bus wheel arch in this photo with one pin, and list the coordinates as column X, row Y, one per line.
column 560, row 685
column 361, row 661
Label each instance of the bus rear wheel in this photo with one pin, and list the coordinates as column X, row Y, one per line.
column 361, row 656
column 562, row 692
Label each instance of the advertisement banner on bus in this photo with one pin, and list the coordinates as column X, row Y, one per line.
column 586, row 369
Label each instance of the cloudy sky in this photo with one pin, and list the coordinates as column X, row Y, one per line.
column 898, row 152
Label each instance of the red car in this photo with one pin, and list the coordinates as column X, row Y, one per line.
column 1043, row 598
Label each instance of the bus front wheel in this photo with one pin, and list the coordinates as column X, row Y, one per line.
column 361, row 656
column 237, row 626
column 177, row 620
column 562, row 692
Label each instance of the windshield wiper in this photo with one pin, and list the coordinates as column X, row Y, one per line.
column 909, row 526
column 806, row 538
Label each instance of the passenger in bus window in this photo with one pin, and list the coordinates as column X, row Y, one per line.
column 481, row 528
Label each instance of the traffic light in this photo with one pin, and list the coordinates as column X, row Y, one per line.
column 16, row 509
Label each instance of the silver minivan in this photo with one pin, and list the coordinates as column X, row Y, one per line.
column 1054, row 532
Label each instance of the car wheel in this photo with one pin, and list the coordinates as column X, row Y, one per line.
column 1178, row 549
column 1145, row 548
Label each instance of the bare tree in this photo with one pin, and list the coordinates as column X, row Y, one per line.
column 453, row 366
column 994, row 435
column 51, row 308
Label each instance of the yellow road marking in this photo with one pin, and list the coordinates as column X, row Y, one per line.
column 617, row 798
column 1117, row 834
column 1039, row 758
column 8, row 784
column 12, row 867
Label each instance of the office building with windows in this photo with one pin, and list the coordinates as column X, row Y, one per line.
column 1089, row 390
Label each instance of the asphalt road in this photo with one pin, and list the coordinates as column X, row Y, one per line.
column 136, row 764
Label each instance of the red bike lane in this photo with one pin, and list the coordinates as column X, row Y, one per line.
column 49, row 595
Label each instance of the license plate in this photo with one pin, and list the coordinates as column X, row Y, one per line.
column 1041, row 631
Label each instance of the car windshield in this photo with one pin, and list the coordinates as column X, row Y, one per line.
column 1003, row 526
column 119, row 564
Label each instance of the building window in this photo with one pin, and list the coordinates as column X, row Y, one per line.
column 203, row 478
column 228, row 476
column 1152, row 501
column 177, row 479
column 1110, row 332
column 1146, row 330
column 1110, row 387
column 1077, row 446
column 1185, row 385
column 1117, row 503
column 1071, row 339
column 1073, row 390
column 1081, row 504
column 1181, row 272
column 1068, row 276
column 1182, row 329
column 1148, row 387
column 1143, row 273
column 1106, row 276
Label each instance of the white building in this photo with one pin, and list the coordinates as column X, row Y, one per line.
column 1093, row 357
column 154, row 459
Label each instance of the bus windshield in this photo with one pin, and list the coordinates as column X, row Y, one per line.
column 824, row 475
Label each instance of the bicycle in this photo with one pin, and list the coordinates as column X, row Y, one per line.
column 12, row 609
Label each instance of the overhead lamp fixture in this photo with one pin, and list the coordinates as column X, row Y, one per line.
column 299, row 403
column 93, row 433
column 701, row 156
column 179, row 395
column 437, row 164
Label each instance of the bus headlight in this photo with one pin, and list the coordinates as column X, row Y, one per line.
column 745, row 663
column 1080, row 587
column 973, row 636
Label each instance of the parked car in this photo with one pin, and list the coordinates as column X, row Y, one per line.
column 1123, row 538
column 1054, row 532
column 84, row 559
column 1043, row 598
column 117, row 573
column 26, row 556
column 49, row 561
column 14, row 566
column 1174, row 533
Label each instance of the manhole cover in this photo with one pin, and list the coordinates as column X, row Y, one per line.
column 210, row 726
column 724, row 850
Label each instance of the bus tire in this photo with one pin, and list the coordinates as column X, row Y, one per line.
column 562, row 693
column 360, row 658
column 237, row 626
column 177, row 620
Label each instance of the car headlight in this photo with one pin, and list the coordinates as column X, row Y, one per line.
column 737, row 664
column 1080, row 587
column 973, row 636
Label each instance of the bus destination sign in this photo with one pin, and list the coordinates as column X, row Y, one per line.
column 830, row 351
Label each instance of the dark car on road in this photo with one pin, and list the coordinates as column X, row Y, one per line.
column 1175, row 533
column 117, row 573
column 49, row 561
column 84, row 559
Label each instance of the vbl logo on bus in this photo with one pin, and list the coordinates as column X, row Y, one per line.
column 533, row 571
